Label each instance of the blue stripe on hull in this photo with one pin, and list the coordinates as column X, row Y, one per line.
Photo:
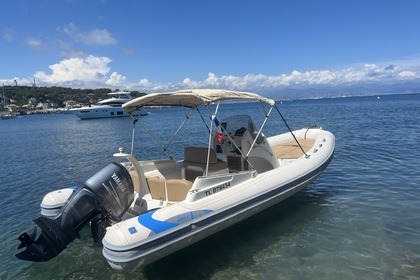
column 156, row 226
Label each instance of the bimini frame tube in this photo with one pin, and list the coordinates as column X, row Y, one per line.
column 291, row 132
column 164, row 149
column 143, row 190
column 210, row 136
column 187, row 116
column 267, row 115
column 135, row 120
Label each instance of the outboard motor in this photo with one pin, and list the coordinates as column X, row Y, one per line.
column 101, row 197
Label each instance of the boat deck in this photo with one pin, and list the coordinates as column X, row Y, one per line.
column 291, row 150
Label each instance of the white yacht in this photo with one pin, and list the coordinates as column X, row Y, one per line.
column 7, row 116
column 107, row 108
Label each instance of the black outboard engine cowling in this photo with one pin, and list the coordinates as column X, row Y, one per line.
column 108, row 192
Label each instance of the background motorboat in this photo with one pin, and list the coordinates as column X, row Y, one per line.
column 107, row 108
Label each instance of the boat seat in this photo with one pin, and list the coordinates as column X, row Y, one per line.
column 168, row 190
column 195, row 162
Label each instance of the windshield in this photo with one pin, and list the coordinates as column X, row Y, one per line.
column 236, row 125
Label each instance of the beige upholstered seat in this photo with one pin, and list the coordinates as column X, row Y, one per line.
column 168, row 190
column 195, row 161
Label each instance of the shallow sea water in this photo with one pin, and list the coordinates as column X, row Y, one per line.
column 359, row 220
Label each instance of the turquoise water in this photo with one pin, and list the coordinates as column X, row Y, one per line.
column 360, row 220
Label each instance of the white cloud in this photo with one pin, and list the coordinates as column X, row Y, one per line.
column 66, row 50
column 93, row 72
column 75, row 70
column 94, row 37
column 369, row 73
column 408, row 75
column 116, row 80
column 144, row 82
column 34, row 43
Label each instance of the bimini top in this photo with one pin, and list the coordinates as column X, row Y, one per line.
column 191, row 98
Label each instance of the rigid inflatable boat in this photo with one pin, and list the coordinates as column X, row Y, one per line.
column 142, row 211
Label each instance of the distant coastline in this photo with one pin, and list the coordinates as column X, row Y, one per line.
column 345, row 96
column 27, row 99
column 46, row 100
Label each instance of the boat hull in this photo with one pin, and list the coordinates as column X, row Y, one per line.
column 186, row 236
column 8, row 116
column 131, row 257
column 97, row 112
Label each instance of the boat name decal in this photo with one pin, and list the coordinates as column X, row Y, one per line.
column 118, row 181
column 217, row 189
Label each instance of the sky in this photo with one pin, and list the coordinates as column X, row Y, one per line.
column 278, row 47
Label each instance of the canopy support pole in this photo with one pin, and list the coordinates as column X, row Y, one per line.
column 267, row 115
column 291, row 132
column 187, row 116
column 203, row 119
column 154, row 141
column 210, row 136
column 135, row 120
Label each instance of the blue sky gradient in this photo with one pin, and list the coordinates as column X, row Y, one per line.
column 302, row 47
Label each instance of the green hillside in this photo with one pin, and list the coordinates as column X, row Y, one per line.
column 20, row 95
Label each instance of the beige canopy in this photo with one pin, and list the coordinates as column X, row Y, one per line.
column 191, row 98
